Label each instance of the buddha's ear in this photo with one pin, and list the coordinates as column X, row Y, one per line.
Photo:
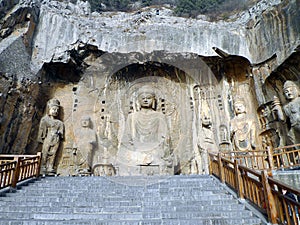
column 137, row 105
column 154, row 104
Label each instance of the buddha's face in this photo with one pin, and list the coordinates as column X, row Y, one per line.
column 290, row 92
column 206, row 121
column 53, row 110
column 85, row 122
column 146, row 100
column 239, row 108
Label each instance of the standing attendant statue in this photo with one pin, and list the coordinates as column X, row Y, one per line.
column 292, row 110
column 86, row 141
column 50, row 134
column 206, row 144
column 242, row 129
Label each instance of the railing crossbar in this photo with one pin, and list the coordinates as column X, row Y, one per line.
column 17, row 168
column 259, row 188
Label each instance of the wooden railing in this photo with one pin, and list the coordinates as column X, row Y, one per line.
column 286, row 157
column 270, row 159
column 259, row 188
column 17, row 168
column 255, row 159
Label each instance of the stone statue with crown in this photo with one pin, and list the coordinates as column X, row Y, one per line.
column 51, row 131
column 292, row 110
column 242, row 128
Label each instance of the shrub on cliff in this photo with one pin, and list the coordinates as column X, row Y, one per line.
column 196, row 7
column 186, row 8
column 107, row 5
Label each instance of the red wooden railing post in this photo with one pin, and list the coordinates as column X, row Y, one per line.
column 209, row 164
column 270, row 157
column 16, row 173
column 221, row 169
column 269, row 198
column 238, row 180
column 38, row 168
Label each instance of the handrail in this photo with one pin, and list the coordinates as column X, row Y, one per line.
column 259, row 188
column 270, row 159
column 7, row 173
column 17, row 168
column 287, row 156
column 287, row 207
column 255, row 159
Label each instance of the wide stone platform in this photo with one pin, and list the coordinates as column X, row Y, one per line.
column 124, row 200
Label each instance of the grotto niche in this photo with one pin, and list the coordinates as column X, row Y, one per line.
column 146, row 116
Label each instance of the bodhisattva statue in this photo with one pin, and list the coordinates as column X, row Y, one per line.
column 242, row 128
column 86, row 141
column 50, row 134
column 206, row 144
column 292, row 110
column 145, row 140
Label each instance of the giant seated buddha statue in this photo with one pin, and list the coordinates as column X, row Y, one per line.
column 145, row 140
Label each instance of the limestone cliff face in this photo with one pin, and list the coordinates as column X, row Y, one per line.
column 47, row 48
column 265, row 30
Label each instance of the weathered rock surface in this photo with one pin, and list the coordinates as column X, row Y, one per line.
column 95, row 63
column 146, row 32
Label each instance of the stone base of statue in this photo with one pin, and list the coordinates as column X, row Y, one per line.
column 104, row 169
column 84, row 172
column 149, row 170
column 47, row 172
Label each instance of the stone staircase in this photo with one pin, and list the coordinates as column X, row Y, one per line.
column 124, row 200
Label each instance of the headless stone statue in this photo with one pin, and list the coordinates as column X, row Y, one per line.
column 51, row 132
column 86, row 141
column 292, row 110
column 146, row 139
column 242, row 128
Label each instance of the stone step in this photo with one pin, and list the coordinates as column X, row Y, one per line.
column 63, row 209
column 86, row 214
column 127, row 182
column 192, row 208
column 124, row 200
column 10, row 206
column 114, row 198
column 73, row 216
column 130, row 181
column 237, row 221
column 126, row 195
column 213, row 204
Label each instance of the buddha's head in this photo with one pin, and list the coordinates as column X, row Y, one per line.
column 146, row 98
column 85, row 121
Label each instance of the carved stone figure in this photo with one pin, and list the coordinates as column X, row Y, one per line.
column 223, row 134
column 292, row 110
column 86, row 141
column 224, row 144
column 51, row 133
column 263, row 113
column 206, row 144
column 277, row 112
column 242, row 128
column 145, row 140
column 279, row 118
